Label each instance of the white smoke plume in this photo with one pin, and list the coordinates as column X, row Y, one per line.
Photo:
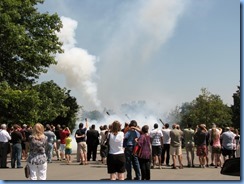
column 76, row 64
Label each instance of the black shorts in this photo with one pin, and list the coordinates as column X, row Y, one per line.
column 226, row 152
column 116, row 163
column 156, row 150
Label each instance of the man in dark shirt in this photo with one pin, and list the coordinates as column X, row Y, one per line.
column 92, row 143
column 16, row 138
column 80, row 136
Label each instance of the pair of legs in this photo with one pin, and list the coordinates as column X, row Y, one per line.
column 62, row 151
column 165, row 150
column 217, row 157
column 132, row 160
column 56, row 147
column 176, row 151
column 202, row 161
column 68, row 152
column 68, row 158
column 83, row 153
column 179, row 160
column 190, row 154
column 115, row 176
column 157, row 152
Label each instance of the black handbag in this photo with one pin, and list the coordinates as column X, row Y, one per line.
column 27, row 171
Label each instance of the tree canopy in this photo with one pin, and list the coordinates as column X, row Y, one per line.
column 28, row 41
column 206, row 109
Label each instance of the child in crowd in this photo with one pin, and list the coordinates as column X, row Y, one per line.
column 68, row 148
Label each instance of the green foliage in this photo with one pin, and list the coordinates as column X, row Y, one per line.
column 18, row 106
column 70, row 118
column 205, row 109
column 53, row 98
column 28, row 44
column 42, row 103
column 28, row 41
column 236, row 108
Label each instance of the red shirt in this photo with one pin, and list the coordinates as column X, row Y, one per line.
column 63, row 135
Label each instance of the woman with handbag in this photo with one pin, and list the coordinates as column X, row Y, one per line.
column 144, row 155
column 37, row 159
column 116, row 156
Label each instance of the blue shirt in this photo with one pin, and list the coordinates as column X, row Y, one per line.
column 130, row 137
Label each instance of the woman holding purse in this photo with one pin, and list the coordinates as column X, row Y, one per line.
column 37, row 159
column 145, row 153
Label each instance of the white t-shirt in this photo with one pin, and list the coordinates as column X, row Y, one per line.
column 166, row 136
column 156, row 135
column 116, row 143
column 4, row 136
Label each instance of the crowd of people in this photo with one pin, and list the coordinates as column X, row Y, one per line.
column 40, row 144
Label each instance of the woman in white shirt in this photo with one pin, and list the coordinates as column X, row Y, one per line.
column 116, row 157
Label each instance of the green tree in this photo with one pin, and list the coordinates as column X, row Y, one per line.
column 207, row 108
column 236, row 109
column 28, row 41
column 18, row 106
column 70, row 118
column 53, row 98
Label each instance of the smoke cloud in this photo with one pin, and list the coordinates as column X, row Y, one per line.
column 76, row 64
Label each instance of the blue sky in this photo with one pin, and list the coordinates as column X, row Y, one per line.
column 160, row 51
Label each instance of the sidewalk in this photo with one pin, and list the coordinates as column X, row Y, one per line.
column 58, row 170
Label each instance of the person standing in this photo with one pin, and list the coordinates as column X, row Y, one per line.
column 200, row 138
column 210, row 143
column 80, row 136
column 216, row 146
column 157, row 142
column 188, row 134
column 63, row 134
column 103, row 147
column 16, row 138
column 144, row 142
column 68, row 148
column 4, row 145
column 129, row 143
column 51, row 139
column 175, row 145
column 57, row 142
column 116, row 157
column 24, row 140
column 166, row 144
column 37, row 159
column 92, row 143
column 227, row 143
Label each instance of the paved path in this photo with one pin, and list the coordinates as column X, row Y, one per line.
column 58, row 170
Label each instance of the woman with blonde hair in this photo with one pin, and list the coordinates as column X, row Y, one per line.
column 37, row 159
column 216, row 147
column 116, row 156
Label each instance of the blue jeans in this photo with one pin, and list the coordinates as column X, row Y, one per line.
column 49, row 151
column 132, row 160
column 16, row 155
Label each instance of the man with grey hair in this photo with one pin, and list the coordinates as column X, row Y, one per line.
column 175, row 145
column 4, row 145
column 227, row 143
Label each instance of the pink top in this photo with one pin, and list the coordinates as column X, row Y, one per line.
column 216, row 141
